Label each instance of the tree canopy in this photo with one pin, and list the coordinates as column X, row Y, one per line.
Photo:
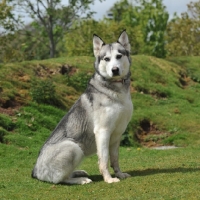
column 183, row 33
column 58, row 29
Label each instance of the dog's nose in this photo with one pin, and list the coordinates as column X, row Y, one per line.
column 115, row 71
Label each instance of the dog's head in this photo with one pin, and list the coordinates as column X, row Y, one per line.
column 112, row 60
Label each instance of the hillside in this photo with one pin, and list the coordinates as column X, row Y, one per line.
column 165, row 95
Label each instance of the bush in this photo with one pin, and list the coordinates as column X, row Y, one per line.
column 3, row 132
column 6, row 123
column 79, row 81
column 43, row 92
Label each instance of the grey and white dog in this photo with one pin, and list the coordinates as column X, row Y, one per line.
column 95, row 122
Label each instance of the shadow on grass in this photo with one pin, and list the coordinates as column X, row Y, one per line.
column 148, row 172
column 96, row 178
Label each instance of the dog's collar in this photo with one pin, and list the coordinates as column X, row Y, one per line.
column 119, row 81
column 122, row 81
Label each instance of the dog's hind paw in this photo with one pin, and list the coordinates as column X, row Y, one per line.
column 77, row 181
column 122, row 175
column 86, row 181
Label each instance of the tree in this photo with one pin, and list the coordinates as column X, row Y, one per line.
column 79, row 39
column 150, row 17
column 124, row 11
column 8, row 24
column 194, row 10
column 53, row 18
column 6, row 17
column 154, row 22
column 183, row 33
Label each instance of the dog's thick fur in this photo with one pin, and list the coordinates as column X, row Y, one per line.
column 95, row 122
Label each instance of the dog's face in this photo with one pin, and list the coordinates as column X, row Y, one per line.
column 112, row 60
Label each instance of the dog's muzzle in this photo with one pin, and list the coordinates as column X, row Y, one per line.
column 115, row 71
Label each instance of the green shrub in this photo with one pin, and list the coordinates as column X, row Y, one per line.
column 3, row 132
column 79, row 81
column 43, row 92
column 6, row 123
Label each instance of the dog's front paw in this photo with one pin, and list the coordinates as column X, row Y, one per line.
column 122, row 175
column 112, row 180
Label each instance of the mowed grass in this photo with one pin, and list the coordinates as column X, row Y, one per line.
column 156, row 174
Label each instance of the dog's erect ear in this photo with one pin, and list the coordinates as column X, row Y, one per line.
column 97, row 44
column 124, row 41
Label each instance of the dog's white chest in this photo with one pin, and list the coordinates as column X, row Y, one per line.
column 125, row 111
column 114, row 115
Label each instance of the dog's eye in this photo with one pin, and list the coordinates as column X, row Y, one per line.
column 107, row 59
column 118, row 56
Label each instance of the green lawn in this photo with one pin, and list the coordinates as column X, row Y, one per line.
column 156, row 174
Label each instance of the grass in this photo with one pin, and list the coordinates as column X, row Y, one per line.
column 164, row 92
column 166, row 99
column 170, row 174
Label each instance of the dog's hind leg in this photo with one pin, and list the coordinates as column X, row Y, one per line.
column 78, row 177
column 79, row 173
column 57, row 162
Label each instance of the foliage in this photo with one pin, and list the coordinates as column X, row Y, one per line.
column 183, row 33
column 51, row 19
column 5, row 14
column 77, row 42
column 8, row 24
column 125, row 11
column 128, row 139
column 162, row 92
column 78, row 81
column 43, row 92
column 57, row 29
column 150, row 17
column 154, row 21
column 194, row 10
column 145, row 24
column 6, row 123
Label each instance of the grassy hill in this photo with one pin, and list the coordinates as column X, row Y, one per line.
column 35, row 95
column 165, row 95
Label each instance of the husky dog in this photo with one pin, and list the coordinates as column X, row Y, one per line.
column 95, row 122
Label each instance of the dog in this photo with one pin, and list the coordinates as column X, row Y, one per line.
column 95, row 123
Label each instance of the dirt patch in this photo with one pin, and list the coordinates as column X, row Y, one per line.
column 67, row 69
column 184, row 80
column 24, row 78
column 9, row 107
column 149, row 135
column 43, row 71
column 9, row 111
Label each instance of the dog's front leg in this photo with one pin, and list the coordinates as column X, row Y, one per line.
column 102, row 142
column 114, row 160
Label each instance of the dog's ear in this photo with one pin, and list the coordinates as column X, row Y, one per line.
column 124, row 41
column 97, row 44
